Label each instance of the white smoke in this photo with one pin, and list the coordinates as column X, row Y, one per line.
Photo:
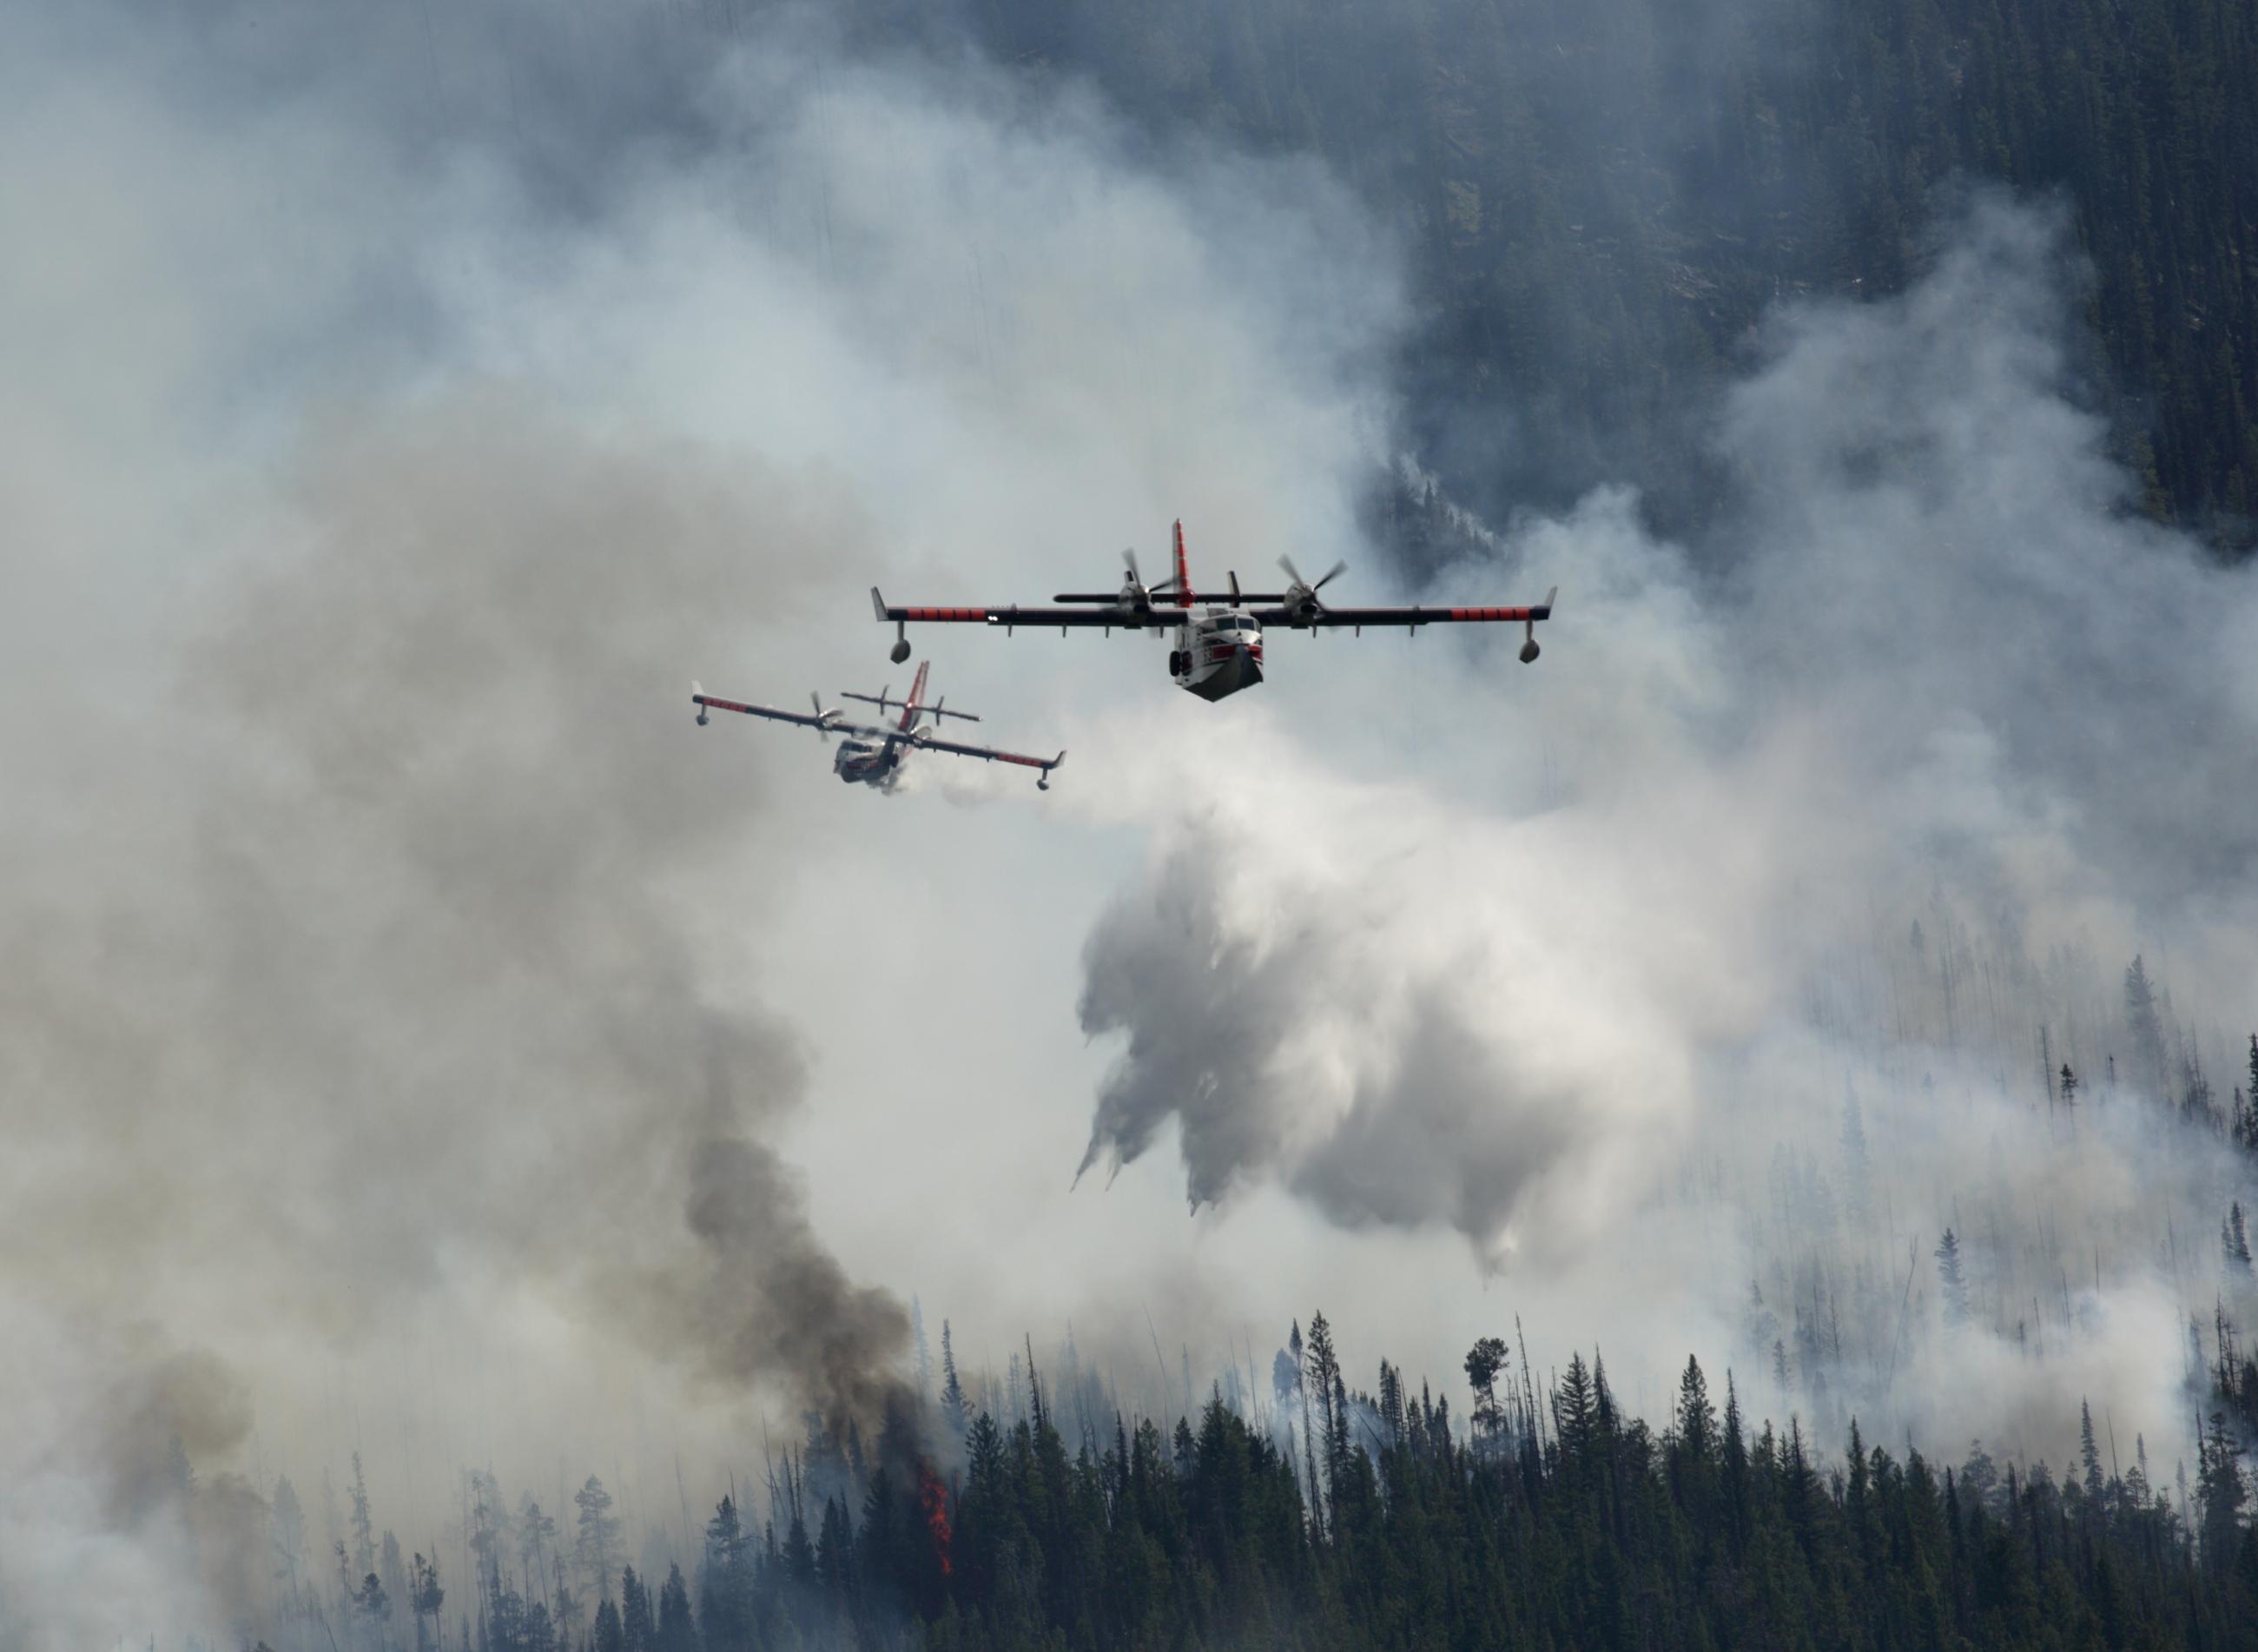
column 389, row 1038
column 1591, row 986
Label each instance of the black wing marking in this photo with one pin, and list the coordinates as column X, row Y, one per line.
column 1012, row 615
column 1458, row 614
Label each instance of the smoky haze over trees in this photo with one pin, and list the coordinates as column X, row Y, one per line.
column 1604, row 199
column 1780, row 981
column 1354, row 1518
column 405, row 403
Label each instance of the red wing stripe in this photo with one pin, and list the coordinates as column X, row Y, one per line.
column 726, row 705
column 1489, row 613
column 947, row 614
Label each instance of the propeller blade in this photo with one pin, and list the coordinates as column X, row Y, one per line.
column 1295, row 575
column 1135, row 578
column 822, row 725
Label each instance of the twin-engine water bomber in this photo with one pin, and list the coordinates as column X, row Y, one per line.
column 873, row 754
column 1217, row 642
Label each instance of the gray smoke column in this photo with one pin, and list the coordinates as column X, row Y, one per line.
column 452, row 892
column 379, row 971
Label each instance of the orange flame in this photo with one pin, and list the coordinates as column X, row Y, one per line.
column 933, row 1500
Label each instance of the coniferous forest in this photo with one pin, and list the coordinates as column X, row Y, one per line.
column 1297, row 1506
column 1547, row 1517
column 1601, row 200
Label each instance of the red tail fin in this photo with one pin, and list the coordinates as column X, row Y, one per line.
column 1183, row 570
column 915, row 703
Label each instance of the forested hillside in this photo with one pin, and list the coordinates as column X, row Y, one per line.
column 1346, row 1520
column 1602, row 198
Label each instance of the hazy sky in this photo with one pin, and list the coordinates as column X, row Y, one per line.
column 422, row 1037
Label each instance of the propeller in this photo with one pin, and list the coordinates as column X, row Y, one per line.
column 1302, row 595
column 822, row 717
column 1134, row 592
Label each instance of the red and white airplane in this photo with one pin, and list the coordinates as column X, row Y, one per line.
column 1219, row 642
column 874, row 754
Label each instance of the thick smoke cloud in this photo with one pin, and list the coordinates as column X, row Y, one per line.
column 1915, row 778
column 395, row 984
column 468, row 795
column 408, row 989
column 386, row 958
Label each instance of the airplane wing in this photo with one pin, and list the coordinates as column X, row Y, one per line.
column 1335, row 618
column 771, row 712
column 1013, row 614
column 994, row 755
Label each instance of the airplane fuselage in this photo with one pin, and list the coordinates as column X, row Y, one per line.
column 868, row 763
column 1217, row 651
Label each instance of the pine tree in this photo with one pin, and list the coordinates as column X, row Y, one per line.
column 2220, row 1489
column 372, row 1605
column 537, row 1540
column 2235, row 1238
column 1696, row 1418
column 1575, row 1412
column 597, row 1540
column 2088, row 1453
column 392, row 1568
column 1484, row 1360
column 724, row 1585
column 677, row 1633
column 1325, row 1380
column 425, row 1598
column 2145, row 1029
column 1391, row 1403
column 953, row 1409
column 364, row 1532
column 1736, row 1458
column 637, row 1628
column 1951, row 1280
